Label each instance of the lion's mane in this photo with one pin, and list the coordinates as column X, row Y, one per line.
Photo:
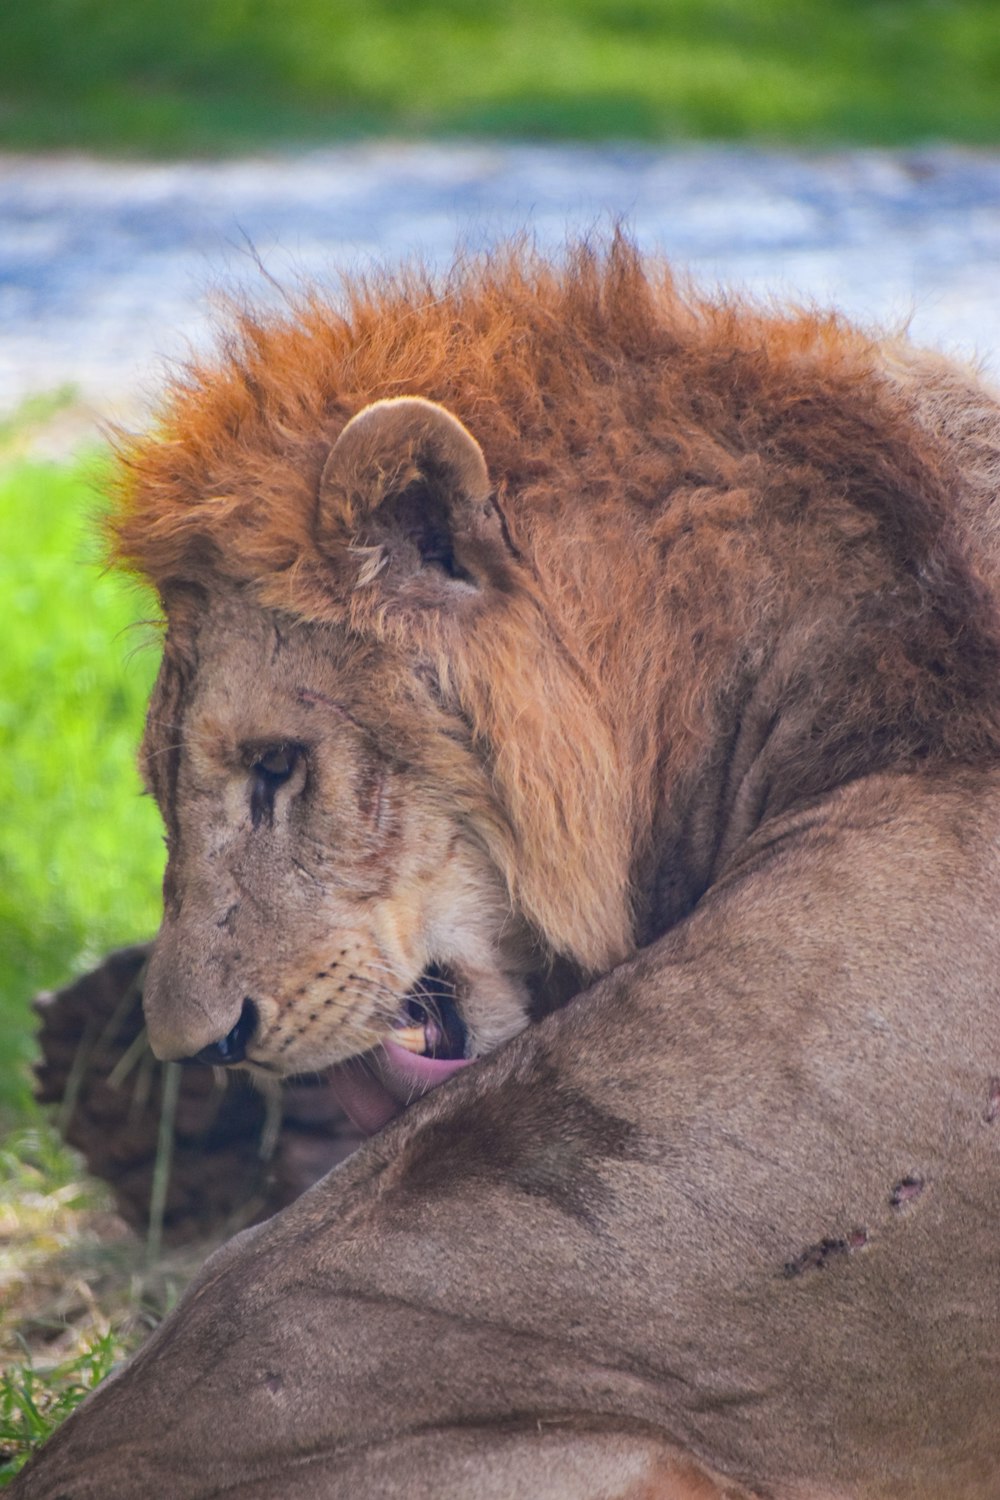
column 776, row 496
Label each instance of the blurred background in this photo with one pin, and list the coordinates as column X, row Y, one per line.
column 157, row 153
column 180, row 76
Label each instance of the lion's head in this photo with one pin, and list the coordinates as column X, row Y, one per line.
column 499, row 614
column 345, row 876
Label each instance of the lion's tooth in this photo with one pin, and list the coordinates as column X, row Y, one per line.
column 412, row 1038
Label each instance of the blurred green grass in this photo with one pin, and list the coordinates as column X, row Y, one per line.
column 179, row 75
column 78, row 1292
column 35, row 1401
column 80, row 850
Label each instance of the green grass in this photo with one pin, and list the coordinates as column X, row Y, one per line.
column 80, row 850
column 54, row 1347
column 78, row 1293
column 179, row 75
column 80, row 863
column 34, row 1400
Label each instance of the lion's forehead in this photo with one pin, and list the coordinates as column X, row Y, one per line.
column 246, row 680
column 257, row 669
column 241, row 677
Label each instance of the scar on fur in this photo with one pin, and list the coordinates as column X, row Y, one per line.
column 905, row 1191
column 310, row 697
column 817, row 1257
column 992, row 1110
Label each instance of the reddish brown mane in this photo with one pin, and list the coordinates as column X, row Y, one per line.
column 598, row 368
column 754, row 486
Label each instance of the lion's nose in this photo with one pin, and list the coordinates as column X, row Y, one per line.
column 232, row 1048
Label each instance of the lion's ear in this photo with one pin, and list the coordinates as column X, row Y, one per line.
column 406, row 489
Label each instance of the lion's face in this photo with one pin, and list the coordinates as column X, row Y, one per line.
column 329, row 884
column 371, row 808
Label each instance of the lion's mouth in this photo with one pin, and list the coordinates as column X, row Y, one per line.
column 429, row 1024
column 426, row 1046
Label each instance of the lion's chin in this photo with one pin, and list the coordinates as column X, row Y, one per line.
column 374, row 1088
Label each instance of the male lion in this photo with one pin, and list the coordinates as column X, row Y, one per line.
column 544, row 616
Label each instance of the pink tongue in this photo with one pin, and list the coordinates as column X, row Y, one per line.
column 373, row 1089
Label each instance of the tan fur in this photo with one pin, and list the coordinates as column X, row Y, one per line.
column 656, row 635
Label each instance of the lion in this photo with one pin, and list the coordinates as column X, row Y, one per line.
column 578, row 730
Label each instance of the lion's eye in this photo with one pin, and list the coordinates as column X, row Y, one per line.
column 277, row 763
column 270, row 768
